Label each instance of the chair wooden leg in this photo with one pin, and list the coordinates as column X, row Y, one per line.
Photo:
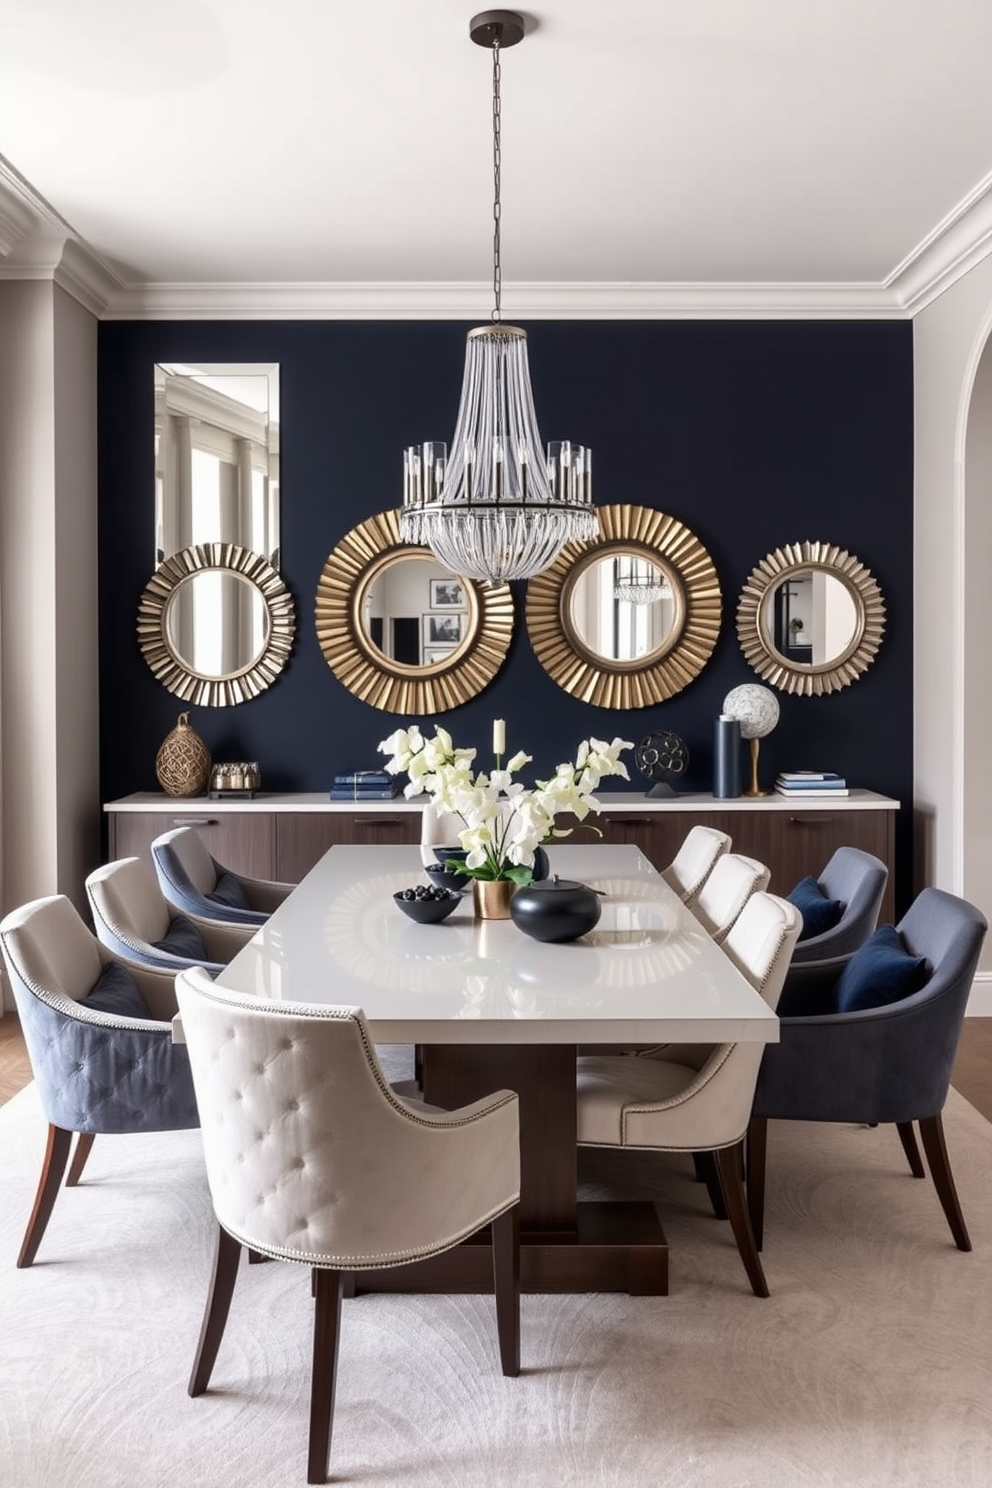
column 84, row 1145
column 506, row 1276
column 757, row 1143
column 52, row 1168
column 932, row 1132
column 227, row 1254
column 706, row 1172
column 908, row 1139
column 323, row 1379
column 728, row 1166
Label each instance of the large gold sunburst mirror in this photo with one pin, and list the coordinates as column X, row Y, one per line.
column 400, row 631
column 810, row 618
column 631, row 618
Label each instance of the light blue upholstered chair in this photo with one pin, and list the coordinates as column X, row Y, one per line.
column 133, row 920
column 884, row 1064
column 194, row 882
column 99, row 1037
column 857, row 880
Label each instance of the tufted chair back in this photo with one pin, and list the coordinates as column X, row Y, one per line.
column 95, row 1070
column 310, row 1153
column 728, row 887
column 693, row 862
column 312, row 1157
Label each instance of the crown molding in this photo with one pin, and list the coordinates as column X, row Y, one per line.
column 529, row 301
column 957, row 243
column 36, row 242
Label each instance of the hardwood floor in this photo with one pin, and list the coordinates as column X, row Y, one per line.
column 972, row 1069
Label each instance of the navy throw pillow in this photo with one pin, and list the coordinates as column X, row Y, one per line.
column 115, row 991
column 880, row 972
column 183, row 939
column 228, row 891
column 819, row 913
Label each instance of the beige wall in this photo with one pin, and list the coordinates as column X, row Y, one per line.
column 953, row 597
column 48, row 609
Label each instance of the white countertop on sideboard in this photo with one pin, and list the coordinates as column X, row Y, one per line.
column 317, row 801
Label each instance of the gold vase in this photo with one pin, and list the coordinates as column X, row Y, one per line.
column 491, row 897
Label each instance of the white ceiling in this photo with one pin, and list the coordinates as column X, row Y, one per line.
column 647, row 145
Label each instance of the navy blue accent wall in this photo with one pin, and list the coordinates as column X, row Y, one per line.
column 754, row 434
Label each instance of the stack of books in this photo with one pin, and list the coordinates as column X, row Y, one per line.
column 810, row 783
column 364, row 785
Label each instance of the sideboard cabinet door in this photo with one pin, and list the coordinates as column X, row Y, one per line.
column 302, row 838
column 244, row 842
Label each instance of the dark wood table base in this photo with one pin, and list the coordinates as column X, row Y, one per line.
column 617, row 1247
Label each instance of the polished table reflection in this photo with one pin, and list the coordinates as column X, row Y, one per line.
column 494, row 1009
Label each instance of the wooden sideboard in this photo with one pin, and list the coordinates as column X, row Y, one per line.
column 282, row 836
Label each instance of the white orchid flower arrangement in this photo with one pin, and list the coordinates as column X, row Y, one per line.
column 504, row 821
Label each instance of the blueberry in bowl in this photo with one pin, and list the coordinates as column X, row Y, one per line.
column 427, row 905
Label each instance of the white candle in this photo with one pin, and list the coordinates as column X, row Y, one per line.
column 499, row 737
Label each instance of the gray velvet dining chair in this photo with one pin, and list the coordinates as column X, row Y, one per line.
column 194, row 883
column 99, row 1038
column 880, row 1062
column 855, row 881
column 312, row 1157
column 696, row 1099
column 132, row 919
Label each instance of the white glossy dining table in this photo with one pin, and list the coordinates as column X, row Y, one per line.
column 491, row 1008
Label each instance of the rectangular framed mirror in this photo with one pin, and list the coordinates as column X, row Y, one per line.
column 217, row 456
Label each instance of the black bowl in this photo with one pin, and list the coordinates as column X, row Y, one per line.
column 427, row 911
column 458, row 854
column 444, row 878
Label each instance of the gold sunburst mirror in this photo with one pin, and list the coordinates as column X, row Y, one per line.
column 216, row 624
column 402, row 632
column 631, row 618
column 810, row 618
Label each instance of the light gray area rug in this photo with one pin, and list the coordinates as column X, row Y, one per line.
column 868, row 1366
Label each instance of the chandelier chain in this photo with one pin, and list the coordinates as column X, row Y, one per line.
column 497, row 207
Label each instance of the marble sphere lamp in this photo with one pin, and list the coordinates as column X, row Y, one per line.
column 756, row 709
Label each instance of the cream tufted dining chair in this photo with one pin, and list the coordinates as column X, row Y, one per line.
column 312, row 1157
column 728, row 887
column 684, row 1098
column 693, row 863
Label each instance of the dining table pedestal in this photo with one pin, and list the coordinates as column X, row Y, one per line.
column 565, row 1245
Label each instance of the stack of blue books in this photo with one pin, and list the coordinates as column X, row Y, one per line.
column 364, row 785
column 810, row 783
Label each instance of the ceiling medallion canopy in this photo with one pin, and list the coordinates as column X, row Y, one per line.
column 497, row 505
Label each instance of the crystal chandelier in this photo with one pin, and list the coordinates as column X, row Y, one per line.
column 642, row 584
column 498, row 506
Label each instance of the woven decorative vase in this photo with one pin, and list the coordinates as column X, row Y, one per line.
column 182, row 764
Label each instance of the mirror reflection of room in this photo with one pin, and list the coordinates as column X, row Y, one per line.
column 217, row 624
column 622, row 608
column 811, row 618
column 415, row 612
column 216, row 457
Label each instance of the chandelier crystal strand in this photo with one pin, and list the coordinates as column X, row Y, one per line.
column 497, row 506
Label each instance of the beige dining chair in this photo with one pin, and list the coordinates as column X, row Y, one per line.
column 728, row 887
column 684, row 1098
column 693, row 863
column 132, row 918
column 312, row 1157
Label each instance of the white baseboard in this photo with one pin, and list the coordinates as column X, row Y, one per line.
column 980, row 1001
